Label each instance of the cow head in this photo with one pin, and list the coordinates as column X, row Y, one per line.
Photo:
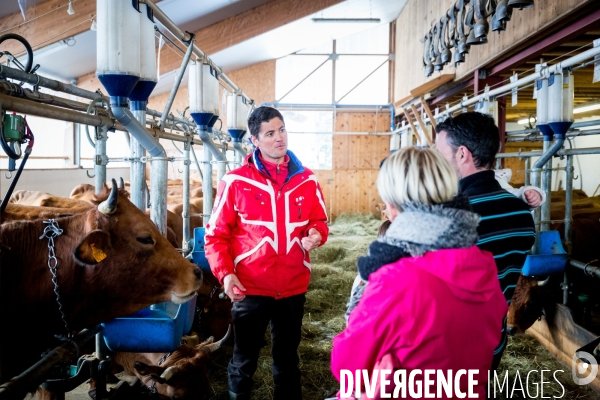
column 127, row 263
column 183, row 373
column 527, row 304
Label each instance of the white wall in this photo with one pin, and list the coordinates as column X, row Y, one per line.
column 59, row 182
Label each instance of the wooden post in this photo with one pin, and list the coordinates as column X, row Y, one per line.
column 423, row 128
column 412, row 126
column 430, row 115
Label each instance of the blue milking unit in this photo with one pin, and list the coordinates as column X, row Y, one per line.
column 125, row 32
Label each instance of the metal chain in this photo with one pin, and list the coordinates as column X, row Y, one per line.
column 50, row 232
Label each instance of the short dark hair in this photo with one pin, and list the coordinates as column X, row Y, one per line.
column 477, row 132
column 260, row 115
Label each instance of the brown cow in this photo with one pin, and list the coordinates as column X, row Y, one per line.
column 180, row 374
column 111, row 262
column 213, row 308
column 175, row 220
column 530, row 298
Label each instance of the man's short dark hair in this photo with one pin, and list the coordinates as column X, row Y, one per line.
column 260, row 115
column 477, row 132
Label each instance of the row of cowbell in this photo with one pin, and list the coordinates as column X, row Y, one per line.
column 126, row 64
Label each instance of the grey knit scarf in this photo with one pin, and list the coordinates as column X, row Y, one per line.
column 421, row 228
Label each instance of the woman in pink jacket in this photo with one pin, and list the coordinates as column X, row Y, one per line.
column 433, row 301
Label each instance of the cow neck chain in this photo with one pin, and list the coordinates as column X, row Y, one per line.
column 51, row 231
column 200, row 310
column 152, row 387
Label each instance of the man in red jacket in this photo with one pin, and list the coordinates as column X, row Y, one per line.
column 268, row 214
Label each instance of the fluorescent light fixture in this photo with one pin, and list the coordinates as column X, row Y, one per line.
column 348, row 20
column 525, row 121
column 585, row 108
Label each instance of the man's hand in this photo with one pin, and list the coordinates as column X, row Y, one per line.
column 233, row 288
column 533, row 197
column 312, row 241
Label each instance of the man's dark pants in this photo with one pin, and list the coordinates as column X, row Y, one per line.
column 250, row 319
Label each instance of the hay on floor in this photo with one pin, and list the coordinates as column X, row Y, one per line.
column 333, row 271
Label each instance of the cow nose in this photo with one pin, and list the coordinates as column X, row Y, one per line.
column 511, row 330
column 198, row 273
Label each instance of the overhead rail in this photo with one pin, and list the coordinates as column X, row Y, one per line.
column 336, row 107
column 544, row 72
column 184, row 37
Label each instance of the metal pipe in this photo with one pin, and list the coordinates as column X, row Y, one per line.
column 564, row 152
column 221, row 168
column 240, row 153
column 550, row 151
column 101, row 160
column 28, row 381
column 178, row 79
column 526, row 172
column 588, row 269
column 137, row 168
column 158, row 174
column 186, row 199
column 208, row 143
column 583, row 124
column 575, row 134
column 207, row 185
column 196, row 162
column 545, row 162
column 544, row 72
column 170, row 25
column 568, row 220
column 34, row 79
column 42, row 110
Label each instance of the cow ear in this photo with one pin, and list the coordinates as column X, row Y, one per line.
column 94, row 248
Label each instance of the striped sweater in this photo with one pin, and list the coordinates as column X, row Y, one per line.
column 506, row 229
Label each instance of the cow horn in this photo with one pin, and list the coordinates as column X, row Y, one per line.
column 168, row 373
column 542, row 283
column 109, row 206
column 215, row 346
column 121, row 183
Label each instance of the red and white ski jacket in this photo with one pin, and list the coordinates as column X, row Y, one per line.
column 256, row 228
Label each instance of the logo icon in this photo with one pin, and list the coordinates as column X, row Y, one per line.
column 585, row 368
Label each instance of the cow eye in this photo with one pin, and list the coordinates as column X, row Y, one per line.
column 145, row 240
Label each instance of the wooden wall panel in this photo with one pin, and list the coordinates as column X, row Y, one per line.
column 359, row 151
column 362, row 122
column 349, row 191
column 518, row 166
column 418, row 16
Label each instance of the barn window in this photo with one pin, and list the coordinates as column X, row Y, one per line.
column 310, row 136
column 350, row 70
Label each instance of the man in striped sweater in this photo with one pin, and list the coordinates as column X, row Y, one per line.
column 470, row 142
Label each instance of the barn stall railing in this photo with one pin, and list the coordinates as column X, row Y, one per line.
column 32, row 107
column 18, row 387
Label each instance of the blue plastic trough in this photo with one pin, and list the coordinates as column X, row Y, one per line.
column 154, row 329
column 549, row 257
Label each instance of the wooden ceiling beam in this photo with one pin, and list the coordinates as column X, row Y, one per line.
column 234, row 30
column 47, row 22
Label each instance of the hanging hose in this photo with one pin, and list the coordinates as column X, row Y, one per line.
column 28, row 50
column 13, row 183
column 89, row 111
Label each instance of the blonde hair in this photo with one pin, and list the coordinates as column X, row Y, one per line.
column 415, row 175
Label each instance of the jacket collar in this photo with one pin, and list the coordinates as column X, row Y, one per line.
column 295, row 167
column 477, row 179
